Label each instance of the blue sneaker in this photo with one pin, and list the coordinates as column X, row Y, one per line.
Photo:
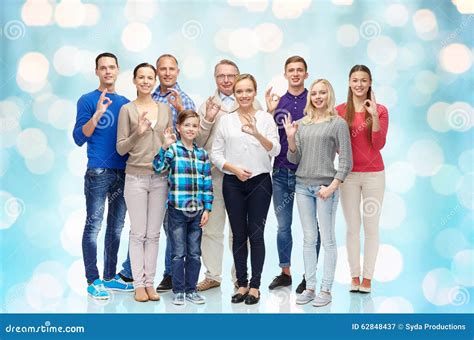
column 178, row 299
column 118, row 284
column 195, row 298
column 97, row 291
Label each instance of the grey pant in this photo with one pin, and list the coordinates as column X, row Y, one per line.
column 145, row 197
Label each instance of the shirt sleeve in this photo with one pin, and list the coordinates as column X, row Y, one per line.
column 204, row 127
column 125, row 138
column 343, row 144
column 379, row 137
column 162, row 161
column 208, row 196
column 295, row 157
column 83, row 115
column 272, row 135
column 218, row 146
column 188, row 103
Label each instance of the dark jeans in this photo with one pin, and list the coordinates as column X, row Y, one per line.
column 185, row 235
column 127, row 269
column 247, row 205
column 284, row 181
column 101, row 184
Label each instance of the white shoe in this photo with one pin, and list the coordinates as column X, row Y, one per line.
column 363, row 289
column 323, row 299
column 354, row 288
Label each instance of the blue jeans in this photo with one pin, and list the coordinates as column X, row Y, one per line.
column 284, row 181
column 102, row 184
column 310, row 205
column 185, row 235
column 127, row 269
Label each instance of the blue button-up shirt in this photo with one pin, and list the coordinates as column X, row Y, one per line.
column 188, row 103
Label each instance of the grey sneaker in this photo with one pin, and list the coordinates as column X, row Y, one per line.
column 305, row 297
column 323, row 299
column 195, row 298
column 178, row 299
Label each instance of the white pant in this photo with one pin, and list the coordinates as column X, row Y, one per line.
column 370, row 186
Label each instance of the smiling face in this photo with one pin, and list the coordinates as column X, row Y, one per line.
column 189, row 129
column 296, row 74
column 107, row 71
column 168, row 72
column 145, row 80
column 360, row 82
column 319, row 96
column 244, row 92
column 225, row 78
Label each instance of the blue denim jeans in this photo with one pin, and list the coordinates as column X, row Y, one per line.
column 185, row 235
column 310, row 205
column 284, row 181
column 101, row 184
column 126, row 267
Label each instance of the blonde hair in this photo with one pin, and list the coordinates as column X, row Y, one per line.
column 310, row 110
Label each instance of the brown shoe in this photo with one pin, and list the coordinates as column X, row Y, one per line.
column 152, row 294
column 207, row 284
column 141, row 295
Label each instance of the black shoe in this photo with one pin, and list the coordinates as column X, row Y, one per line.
column 252, row 300
column 301, row 287
column 238, row 298
column 281, row 280
column 165, row 285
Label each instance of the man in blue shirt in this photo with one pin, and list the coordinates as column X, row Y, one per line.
column 96, row 125
column 292, row 103
column 167, row 92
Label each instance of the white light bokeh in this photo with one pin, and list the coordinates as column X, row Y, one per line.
column 426, row 157
column 460, row 116
column 389, row 263
column 44, row 292
column 221, row 40
column 387, row 95
column 140, row 10
column 41, row 164
column 396, row 15
column 269, row 37
column 426, row 81
column 67, row 60
column 250, row 5
column 382, row 50
column 438, row 286
column 465, row 192
column 37, row 13
column 396, row 304
column 193, row 66
column 342, row 2
column 124, row 84
column 279, row 84
column 425, row 24
column 409, row 55
column 91, row 16
column 12, row 207
column 348, row 35
column 15, row 299
column 466, row 161
column 397, row 183
column 450, row 241
column 33, row 68
column 243, row 43
column 393, row 211
column 71, row 233
column 41, row 106
column 10, row 115
column 455, row 58
column 283, row 9
column 61, row 114
column 136, row 37
column 77, row 161
column 447, row 180
column 462, row 267
column 464, row 6
column 76, row 277
column 437, row 117
column 70, row 13
column 31, row 143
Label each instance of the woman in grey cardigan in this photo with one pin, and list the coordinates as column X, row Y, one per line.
column 312, row 144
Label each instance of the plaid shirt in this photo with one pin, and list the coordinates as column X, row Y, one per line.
column 188, row 103
column 189, row 176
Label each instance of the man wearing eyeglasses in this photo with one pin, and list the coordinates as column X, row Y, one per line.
column 221, row 103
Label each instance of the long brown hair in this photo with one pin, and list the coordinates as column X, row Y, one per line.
column 350, row 110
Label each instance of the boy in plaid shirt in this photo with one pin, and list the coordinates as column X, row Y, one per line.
column 189, row 202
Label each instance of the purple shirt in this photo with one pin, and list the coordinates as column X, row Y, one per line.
column 295, row 106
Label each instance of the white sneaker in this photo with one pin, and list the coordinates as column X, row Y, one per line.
column 305, row 297
column 323, row 299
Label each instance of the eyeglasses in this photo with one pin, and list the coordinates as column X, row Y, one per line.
column 222, row 77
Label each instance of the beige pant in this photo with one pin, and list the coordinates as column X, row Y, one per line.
column 370, row 186
column 145, row 197
column 212, row 242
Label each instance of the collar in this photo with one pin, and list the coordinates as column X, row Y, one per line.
column 222, row 96
column 302, row 95
column 180, row 144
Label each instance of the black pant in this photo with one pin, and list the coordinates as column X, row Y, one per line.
column 247, row 205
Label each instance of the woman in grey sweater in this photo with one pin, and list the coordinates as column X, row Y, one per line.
column 313, row 142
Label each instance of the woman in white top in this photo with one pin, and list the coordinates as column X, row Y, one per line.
column 245, row 142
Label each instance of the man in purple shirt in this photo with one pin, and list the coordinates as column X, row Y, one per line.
column 292, row 103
